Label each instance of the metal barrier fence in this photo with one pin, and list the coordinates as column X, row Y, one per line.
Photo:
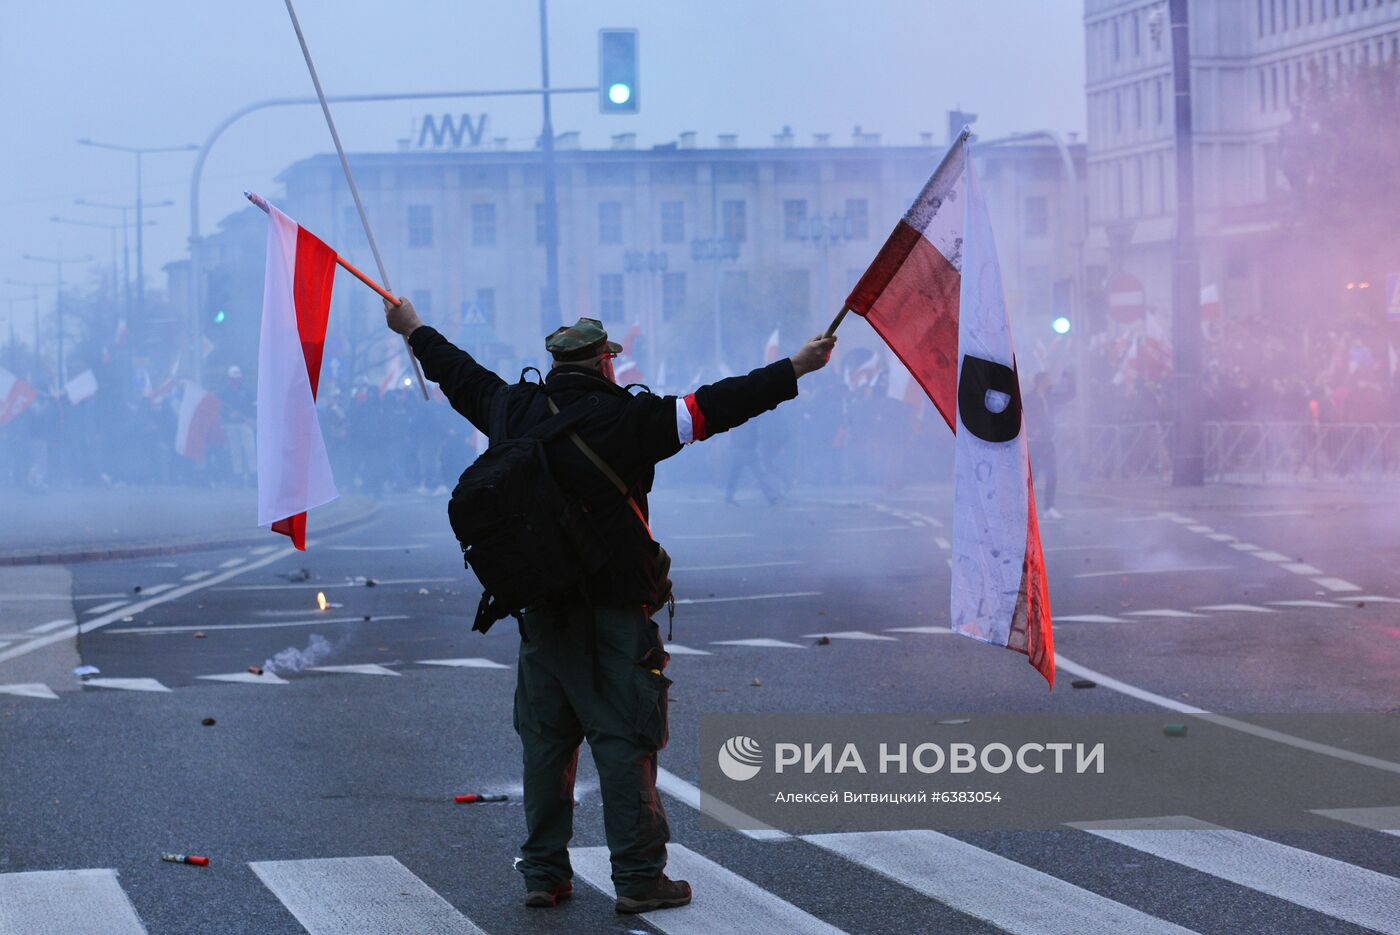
column 1244, row 451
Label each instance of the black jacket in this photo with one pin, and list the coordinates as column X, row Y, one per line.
column 631, row 433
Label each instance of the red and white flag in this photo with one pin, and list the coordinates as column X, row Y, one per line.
column 953, row 334
column 770, row 350
column 15, row 396
column 197, row 422
column 81, row 387
column 294, row 473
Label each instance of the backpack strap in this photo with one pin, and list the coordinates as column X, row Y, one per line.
column 546, row 430
column 600, row 464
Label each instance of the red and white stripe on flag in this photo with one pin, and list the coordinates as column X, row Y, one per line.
column 952, row 332
column 196, row 422
column 294, row 472
column 16, row 395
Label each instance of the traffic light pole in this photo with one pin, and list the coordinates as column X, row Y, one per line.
column 1188, row 468
column 550, row 311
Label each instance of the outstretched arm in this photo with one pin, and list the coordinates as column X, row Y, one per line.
column 469, row 387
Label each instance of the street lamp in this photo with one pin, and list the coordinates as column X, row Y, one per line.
column 126, row 292
column 138, row 152
column 57, row 261
column 126, row 253
column 34, row 287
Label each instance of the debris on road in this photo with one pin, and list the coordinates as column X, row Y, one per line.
column 1083, row 683
column 200, row 634
column 208, row 722
column 255, row 670
column 956, row 720
column 301, row 574
column 756, row 683
column 83, row 672
column 471, row 797
column 1174, row 729
column 823, row 641
column 370, row 583
column 136, row 590
column 192, row 859
column 423, row 591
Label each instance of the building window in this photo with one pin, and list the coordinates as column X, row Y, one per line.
column 1137, row 106
column 1137, row 36
column 673, row 222
column 483, row 225
column 1117, row 49
column 1035, row 219
column 794, row 218
column 1117, row 112
column 541, row 224
column 1261, row 16
column 610, row 222
column 857, row 218
column 1159, row 85
column 422, row 300
column 610, row 296
column 486, row 305
column 420, row 225
column 735, row 221
column 1273, row 87
column 672, row 295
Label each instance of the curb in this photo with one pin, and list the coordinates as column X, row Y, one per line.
column 176, row 548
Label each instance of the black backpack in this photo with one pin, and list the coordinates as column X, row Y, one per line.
column 526, row 540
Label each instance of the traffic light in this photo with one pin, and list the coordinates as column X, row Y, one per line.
column 618, row 92
column 219, row 317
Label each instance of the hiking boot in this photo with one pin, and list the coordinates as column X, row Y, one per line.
column 665, row 893
column 551, row 897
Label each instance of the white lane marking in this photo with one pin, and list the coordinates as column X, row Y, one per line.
column 1221, row 537
column 1278, row 513
column 1088, row 618
column 901, row 526
column 1183, row 520
column 40, row 596
column 676, row 787
column 376, row 548
column 66, row 902
column 4, row 643
column 229, row 563
column 131, row 685
column 1244, row 546
column 197, row 575
column 1221, row 720
column 850, row 635
column 328, row 585
column 1272, row 557
column 1009, row 895
column 264, row 549
column 717, row 535
column 1124, row 572
column 747, row 597
column 676, row 649
column 104, row 608
column 732, row 566
column 1322, row 884
column 267, row 678
column 29, row 690
column 1086, row 548
column 1305, row 604
column 1242, row 608
column 473, row 663
column 363, row 668
column 99, row 622
column 1301, row 568
column 1200, row 528
column 158, row 631
column 355, row 895
column 1384, row 818
column 762, row 642
column 1376, row 599
column 1138, row 519
column 942, row 543
column 1165, row 612
column 157, row 589
column 723, row 902
column 927, row 630
column 52, row 625
column 1336, row 584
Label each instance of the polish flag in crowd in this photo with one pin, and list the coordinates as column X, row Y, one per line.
column 197, row 422
column 294, row 472
column 953, row 334
column 81, row 387
column 770, row 350
column 15, row 396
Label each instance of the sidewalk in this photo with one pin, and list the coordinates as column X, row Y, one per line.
column 91, row 524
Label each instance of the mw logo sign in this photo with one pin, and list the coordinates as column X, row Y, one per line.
column 449, row 132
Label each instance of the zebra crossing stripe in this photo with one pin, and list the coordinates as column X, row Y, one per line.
column 1336, row 584
column 131, row 685
column 851, row 635
column 66, row 902
column 355, row 895
column 724, row 901
column 1322, row 884
column 1089, row 618
column 103, row 608
column 360, row 668
column 1240, row 608
column 29, row 690
column 475, row 662
column 925, row 630
column 676, row 787
column 1385, row 818
column 761, row 642
column 676, row 649
column 990, row 887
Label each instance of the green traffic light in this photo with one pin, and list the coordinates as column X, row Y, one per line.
column 219, row 317
column 619, row 93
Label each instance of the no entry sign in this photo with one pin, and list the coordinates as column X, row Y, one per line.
column 1125, row 298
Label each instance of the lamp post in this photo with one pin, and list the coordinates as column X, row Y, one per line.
column 138, row 152
column 60, row 365
column 126, row 246
column 34, row 287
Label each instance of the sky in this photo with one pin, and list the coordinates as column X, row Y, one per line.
column 166, row 72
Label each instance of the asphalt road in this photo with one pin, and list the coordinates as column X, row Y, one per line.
column 323, row 796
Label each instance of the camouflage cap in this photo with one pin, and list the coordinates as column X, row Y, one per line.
column 583, row 340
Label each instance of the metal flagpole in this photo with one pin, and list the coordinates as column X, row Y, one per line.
column 354, row 190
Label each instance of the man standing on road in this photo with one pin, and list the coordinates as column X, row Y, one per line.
column 591, row 667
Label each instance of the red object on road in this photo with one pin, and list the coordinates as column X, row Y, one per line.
column 477, row 797
column 256, row 670
column 193, row 859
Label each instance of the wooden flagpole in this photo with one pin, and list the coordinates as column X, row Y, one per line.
column 345, row 264
column 836, row 322
column 354, row 193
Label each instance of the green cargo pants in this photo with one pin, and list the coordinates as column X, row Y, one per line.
column 623, row 717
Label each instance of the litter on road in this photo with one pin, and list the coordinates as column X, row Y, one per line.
column 1174, row 729
column 192, row 859
column 472, row 797
column 1083, row 683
